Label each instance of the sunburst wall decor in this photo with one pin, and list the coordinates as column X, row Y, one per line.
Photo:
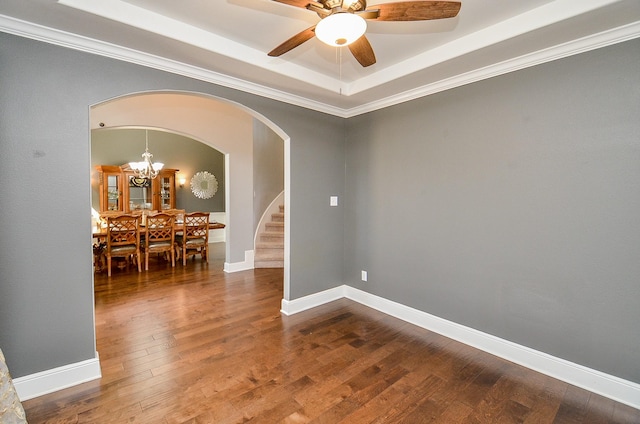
column 204, row 185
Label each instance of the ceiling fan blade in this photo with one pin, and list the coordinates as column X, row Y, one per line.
column 362, row 51
column 296, row 3
column 417, row 10
column 369, row 14
column 294, row 41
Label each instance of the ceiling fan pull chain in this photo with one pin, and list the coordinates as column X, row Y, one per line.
column 340, row 63
column 340, row 66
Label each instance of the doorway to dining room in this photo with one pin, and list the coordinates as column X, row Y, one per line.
column 225, row 126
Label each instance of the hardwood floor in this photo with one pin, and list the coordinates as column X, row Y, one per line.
column 195, row 345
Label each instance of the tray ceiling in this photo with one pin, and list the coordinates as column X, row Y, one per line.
column 226, row 42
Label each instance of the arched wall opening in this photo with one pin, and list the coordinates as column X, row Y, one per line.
column 119, row 146
column 227, row 127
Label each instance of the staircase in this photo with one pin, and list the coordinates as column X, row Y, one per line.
column 269, row 251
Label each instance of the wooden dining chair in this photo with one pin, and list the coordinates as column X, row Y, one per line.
column 159, row 237
column 123, row 239
column 178, row 220
column 195, row 236
column 106, row 214
column 177, row 213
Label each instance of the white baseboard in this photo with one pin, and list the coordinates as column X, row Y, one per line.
column 240, row 266
column 41, row 383
column 610, row 386
column 311, row 301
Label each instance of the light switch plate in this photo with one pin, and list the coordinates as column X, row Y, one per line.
column 333, row 201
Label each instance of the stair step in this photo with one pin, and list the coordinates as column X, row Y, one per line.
column 269, row 251
column 268, row 264
column 278, row 244
column 269, row 255
column 272, row 236
column 274, row 226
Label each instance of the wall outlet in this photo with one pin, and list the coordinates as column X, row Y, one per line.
column 333, row 201
column 364, row 275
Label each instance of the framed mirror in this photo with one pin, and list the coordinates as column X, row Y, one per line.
column 204, row 185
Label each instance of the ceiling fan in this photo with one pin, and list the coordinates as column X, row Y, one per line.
column 343, row 22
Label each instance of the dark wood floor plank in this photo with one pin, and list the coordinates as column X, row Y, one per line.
column 599, row 409
column 478, row 388
column 411, row 401
column 456, row 412
column 573, row 407
column 496, row 400
column 624, row 414
column 196, row 345
column 546, row 404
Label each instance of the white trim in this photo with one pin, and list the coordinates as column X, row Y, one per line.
column 240, row 266
column 610, row 386
column 287, row 216
column 571, row 48
column 49, row 381
column 76, row 42
column 290, row 307
column 591, row 42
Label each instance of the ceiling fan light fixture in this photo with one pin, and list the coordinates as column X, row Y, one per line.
column 341, row 29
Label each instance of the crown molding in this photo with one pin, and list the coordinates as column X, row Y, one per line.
column 582, row 45
column 88, row 45
column 84, row 44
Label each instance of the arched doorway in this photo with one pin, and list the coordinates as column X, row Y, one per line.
column 221, row 124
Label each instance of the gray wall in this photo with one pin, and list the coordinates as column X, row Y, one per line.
column 511, row 206
column 46, row 311
column 268, row 168
column 120, row 146
column 508, row 205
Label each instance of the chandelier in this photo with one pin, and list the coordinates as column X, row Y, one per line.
column 146, row 168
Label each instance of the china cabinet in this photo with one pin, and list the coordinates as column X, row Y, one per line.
column 121, row 190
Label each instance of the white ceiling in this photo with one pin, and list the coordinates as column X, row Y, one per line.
column 227, row 41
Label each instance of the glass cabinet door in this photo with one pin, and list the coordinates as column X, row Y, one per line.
column 166, row 192
column 110, row 188
column 113, row 195
column 139, row 193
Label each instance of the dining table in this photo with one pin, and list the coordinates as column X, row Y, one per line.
column 99, row 233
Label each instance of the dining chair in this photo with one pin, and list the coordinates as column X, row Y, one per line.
column 195, row 235
column 177, row 213
column 178, row 220
column 123, row 239
column 143, row 214
column 159, row 237
column 105, row 214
